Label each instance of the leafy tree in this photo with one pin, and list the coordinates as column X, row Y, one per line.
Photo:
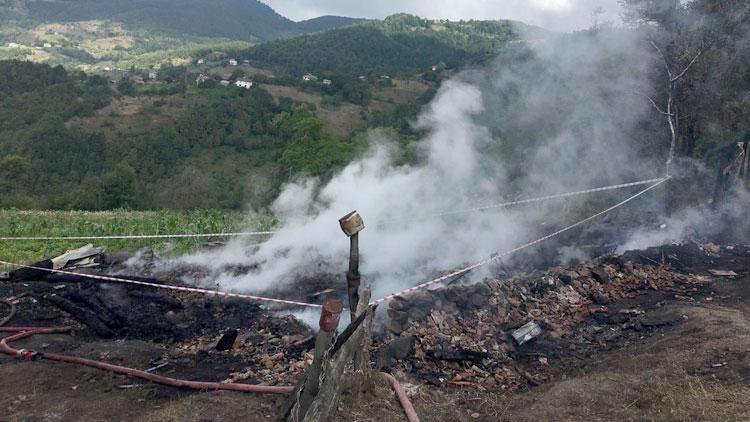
column 125, row 86
column 701, row 43
column 310, row 150
column 15, row 174
column 119, row 187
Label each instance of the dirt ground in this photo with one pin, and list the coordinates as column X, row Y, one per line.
column 691, row 363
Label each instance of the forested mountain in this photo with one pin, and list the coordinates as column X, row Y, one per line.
column 397, row 45
column 248, row 20
column 73, row 140
column 179, row 146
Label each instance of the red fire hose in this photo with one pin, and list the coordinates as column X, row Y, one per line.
column 411, row 414
column 24, row 332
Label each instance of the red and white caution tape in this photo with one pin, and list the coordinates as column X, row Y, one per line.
column 169, row 287
column 531, row 200
column 390, row 221
column 140, row 236
column 498, row 256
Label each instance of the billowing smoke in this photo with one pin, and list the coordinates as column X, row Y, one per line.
column 395, row 248
column 559, row 115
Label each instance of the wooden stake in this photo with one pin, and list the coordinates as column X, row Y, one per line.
column 352, row 224
column 352, row 276
column 307, row 388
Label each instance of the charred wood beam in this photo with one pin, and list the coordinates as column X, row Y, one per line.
column 32, row 274
column 87, row 317
column 457, row 355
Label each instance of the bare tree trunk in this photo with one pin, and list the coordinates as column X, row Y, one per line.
column 672, row 116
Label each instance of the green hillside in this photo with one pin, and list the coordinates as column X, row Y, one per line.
column 92, row 35
column 71, row 140
column 248, row 20
column 400, row 44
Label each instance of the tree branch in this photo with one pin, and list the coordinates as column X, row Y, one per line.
column 664, row 59
column 692, row 62
column 653, row 103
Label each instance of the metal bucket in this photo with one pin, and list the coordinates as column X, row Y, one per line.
column 352, row 223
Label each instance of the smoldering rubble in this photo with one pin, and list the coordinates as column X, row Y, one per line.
column 496, row 334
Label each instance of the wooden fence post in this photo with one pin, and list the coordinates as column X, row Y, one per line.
column 352, row 224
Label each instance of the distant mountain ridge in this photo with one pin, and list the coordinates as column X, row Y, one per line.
column 322, row 23
column 249, row 20
column 399, row 44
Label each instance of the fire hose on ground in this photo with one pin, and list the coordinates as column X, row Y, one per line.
column 411, row 414
column 24, row 332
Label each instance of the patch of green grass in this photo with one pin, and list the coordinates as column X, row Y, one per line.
column 21, row 223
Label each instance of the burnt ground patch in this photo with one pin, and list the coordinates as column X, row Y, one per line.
column 621, row 347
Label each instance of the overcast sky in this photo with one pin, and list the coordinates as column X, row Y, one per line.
column 558, row 15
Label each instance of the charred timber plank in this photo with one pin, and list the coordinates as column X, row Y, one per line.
column 83, row 315
column 32, row 274
column 457, row 355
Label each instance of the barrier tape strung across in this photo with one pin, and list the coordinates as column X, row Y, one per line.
column 168, row 287
column 261, row 233
column 512, row 251
column 140, row 236
column 532, row 200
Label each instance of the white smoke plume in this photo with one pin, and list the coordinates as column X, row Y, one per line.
column 563, row 117
column 393, row 250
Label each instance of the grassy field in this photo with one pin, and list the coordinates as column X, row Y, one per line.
column 17, row 223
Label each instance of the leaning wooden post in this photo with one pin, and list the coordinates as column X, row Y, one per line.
column 308, row 386
column 352, row 224
column 362, row 356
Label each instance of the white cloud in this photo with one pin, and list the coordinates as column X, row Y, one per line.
column 559, row 15
column 554, row 5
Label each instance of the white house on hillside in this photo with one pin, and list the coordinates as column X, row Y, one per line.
column 327, row 82
column 224, row 82
column 310, row 77
column 244, row 83
column 232, row 62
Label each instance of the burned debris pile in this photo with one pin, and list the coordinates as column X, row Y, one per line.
column 505, row 333
column 497, row 334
